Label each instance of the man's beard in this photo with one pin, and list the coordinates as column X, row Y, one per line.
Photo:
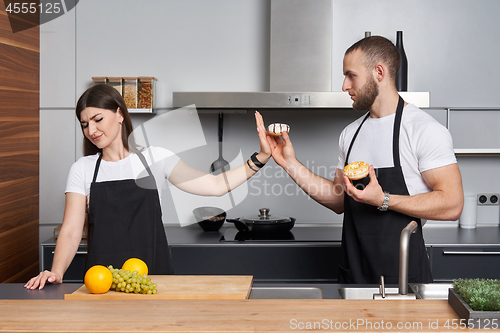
column 366, row 96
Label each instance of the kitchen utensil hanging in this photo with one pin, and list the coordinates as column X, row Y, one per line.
column 220, row 165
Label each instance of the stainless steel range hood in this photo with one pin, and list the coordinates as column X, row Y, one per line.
column 300, row 65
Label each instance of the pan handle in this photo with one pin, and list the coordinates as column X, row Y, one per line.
column 241, row 226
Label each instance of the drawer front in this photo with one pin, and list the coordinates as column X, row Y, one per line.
column 278, row 263
column 76, row 270
column 465, row 262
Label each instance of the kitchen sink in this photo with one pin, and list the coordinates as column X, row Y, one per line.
column 431, row 290
column 418, row 291
column 363, row 292
column 286, row 293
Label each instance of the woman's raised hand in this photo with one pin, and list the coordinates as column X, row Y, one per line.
column 264, row 138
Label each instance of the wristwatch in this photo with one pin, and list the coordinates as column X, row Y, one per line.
column 385, row 204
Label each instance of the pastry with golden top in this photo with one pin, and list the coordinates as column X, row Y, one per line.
column 277, row 129
column 356, row 170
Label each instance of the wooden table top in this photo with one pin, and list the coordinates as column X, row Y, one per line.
column 226, row 315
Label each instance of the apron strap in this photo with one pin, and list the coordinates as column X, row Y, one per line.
column 96, row 170
column 354, row 138
column 397, row 127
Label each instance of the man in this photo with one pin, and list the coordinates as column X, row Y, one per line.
column 413, row 170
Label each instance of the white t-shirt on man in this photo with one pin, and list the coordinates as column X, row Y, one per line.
column 160, row 160
column 424, row 144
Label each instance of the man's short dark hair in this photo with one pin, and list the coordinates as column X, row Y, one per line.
column 378, row 49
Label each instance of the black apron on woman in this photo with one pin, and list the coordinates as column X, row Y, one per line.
column 370, row 238
column 125, row 222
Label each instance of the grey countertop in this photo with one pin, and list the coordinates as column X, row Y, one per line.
column 433, row 235
column 56, row 291
column 50, row 291
column 456, row 236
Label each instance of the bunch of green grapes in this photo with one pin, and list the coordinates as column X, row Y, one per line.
column 131, row 282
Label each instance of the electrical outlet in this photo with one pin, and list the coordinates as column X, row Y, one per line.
column 487, row 199
column 305, row 100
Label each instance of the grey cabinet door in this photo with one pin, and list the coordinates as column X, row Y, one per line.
column 450, row 263
column 264, row 263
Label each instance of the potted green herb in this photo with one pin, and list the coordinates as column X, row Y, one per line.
column 477, row 302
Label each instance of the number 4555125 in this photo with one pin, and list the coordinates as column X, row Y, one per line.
column 32, row 8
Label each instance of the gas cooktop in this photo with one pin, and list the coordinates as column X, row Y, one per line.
column 300, row 234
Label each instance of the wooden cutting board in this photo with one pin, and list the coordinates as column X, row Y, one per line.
column 181, row 287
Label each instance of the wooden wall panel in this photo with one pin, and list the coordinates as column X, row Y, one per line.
column 15, row 213
column 27, row 39
column 18, row 69
column 19, row 151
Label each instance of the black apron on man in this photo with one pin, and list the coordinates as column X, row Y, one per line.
column 125, row 222
column 370, row 238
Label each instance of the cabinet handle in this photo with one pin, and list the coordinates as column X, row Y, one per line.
column 77, row 252
column 469, row 252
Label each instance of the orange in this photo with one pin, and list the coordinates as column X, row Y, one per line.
column 98, row 279
column 134, row 264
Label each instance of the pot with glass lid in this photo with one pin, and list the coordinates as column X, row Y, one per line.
column 263, row 223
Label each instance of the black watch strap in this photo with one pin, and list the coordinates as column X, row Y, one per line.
column 256, row 161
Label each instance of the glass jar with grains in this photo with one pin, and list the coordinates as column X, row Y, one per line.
column 116, row 82
column 130, row 92
column 147, row 87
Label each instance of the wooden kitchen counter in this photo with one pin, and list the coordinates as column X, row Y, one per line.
column 225, row 315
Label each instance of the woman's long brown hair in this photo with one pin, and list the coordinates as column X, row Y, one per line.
column 103, row 96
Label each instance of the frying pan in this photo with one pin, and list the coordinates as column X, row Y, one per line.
column 263, row 223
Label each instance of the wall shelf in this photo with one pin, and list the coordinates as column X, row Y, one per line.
column 148, row 111
column 477, row 152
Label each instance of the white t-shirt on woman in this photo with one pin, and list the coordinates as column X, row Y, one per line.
column 160, row 160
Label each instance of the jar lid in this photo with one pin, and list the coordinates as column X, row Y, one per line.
column 114, row 79
column 130, row 78
column 143, row 78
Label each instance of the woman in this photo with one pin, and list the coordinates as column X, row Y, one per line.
column 125, row 218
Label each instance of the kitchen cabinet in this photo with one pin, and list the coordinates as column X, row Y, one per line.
column 195, row 252
column 276, row 263
column 294, row 263
column 450, row 263
column 474, row 130
column 76, row 270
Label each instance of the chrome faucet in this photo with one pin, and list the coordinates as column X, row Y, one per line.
column 404, row 256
